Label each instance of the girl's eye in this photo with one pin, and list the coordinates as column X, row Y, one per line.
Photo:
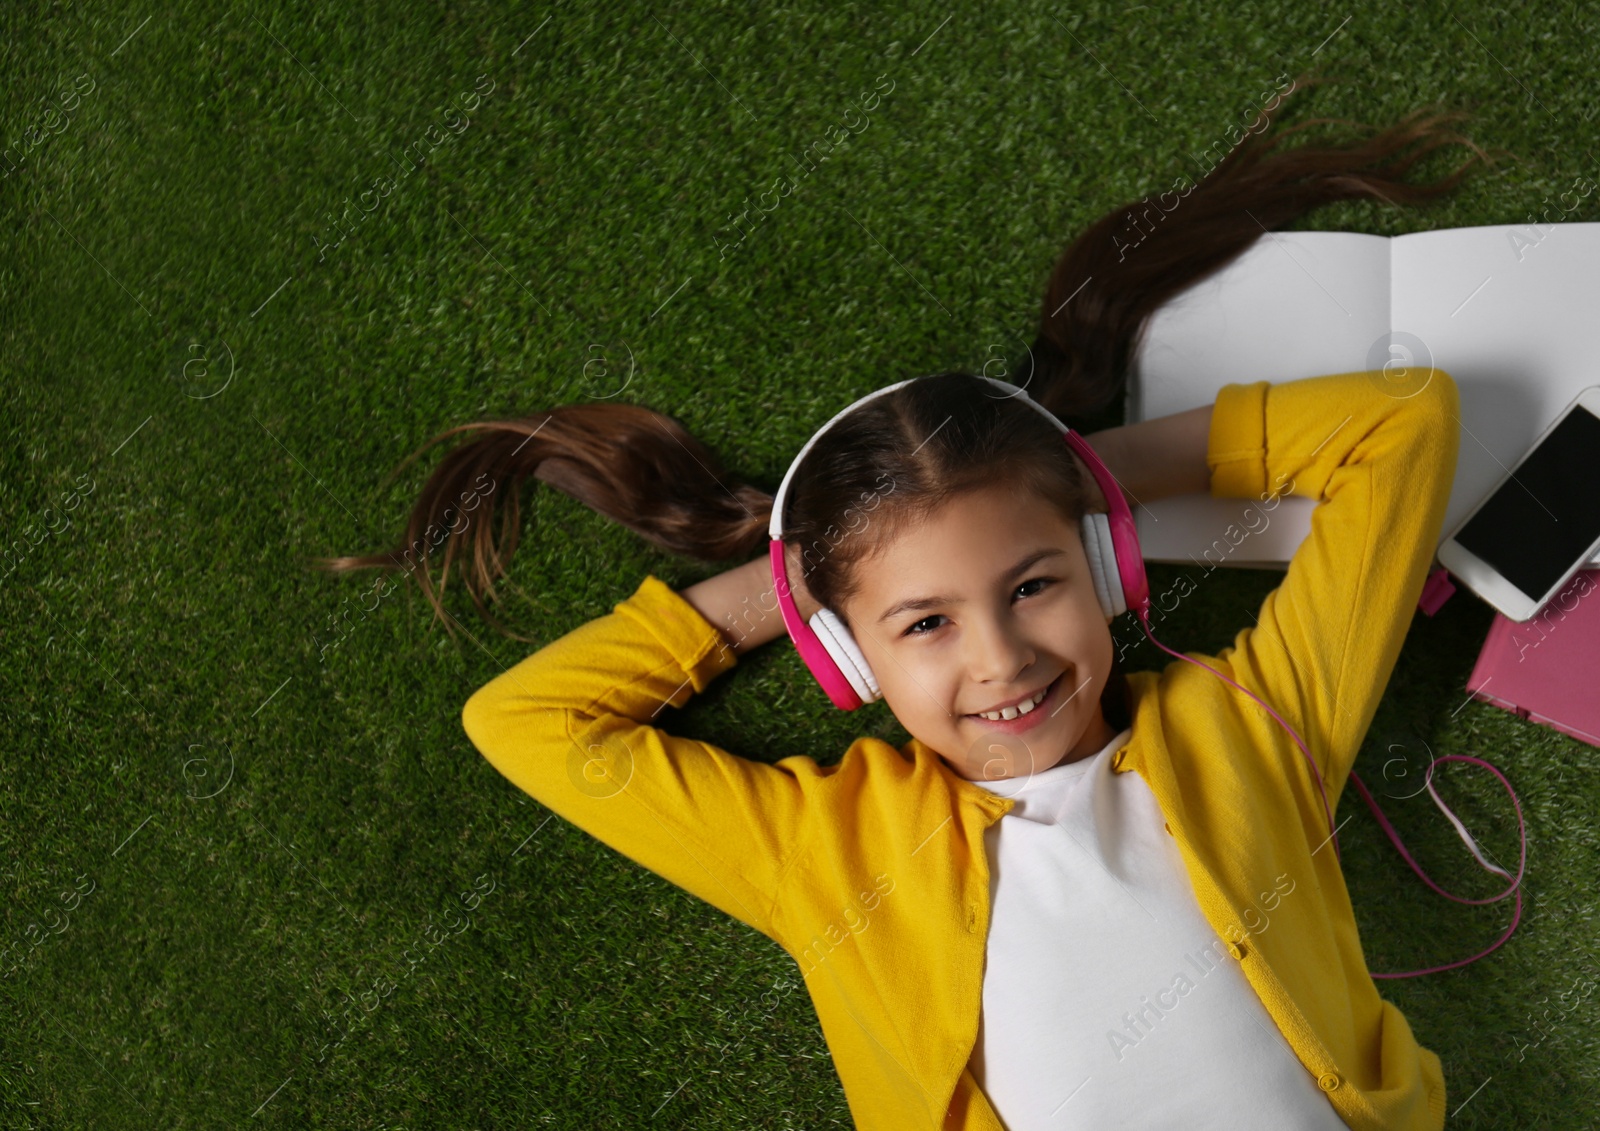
column 1035, row 581
column 1042, row 581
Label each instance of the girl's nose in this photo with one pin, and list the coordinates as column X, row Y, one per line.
column 997, row 651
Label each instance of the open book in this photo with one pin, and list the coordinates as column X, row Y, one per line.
column 1512, row 312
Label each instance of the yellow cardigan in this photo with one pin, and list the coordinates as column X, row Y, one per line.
column 871, row 872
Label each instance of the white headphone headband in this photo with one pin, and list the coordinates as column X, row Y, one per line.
column 775, row 527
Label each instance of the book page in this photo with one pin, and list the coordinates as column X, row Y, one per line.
column 1512, row 312
column 1295, row 304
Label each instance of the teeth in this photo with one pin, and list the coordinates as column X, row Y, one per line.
column 1015, row 712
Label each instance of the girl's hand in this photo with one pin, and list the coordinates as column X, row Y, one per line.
column 794, row 569
column 742, row 602
column 1155, row 458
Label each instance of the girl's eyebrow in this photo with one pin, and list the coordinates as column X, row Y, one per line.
column 917, row 604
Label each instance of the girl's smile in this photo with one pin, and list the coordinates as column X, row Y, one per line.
column 1015, row 624
column 1023, row 712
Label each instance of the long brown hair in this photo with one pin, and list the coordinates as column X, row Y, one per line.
column 904, row 453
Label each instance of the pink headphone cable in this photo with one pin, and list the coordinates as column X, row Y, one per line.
column 1143, row 616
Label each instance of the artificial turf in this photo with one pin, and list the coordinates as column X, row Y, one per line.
column 254, row 872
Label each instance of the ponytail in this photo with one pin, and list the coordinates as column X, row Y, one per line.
column 637, row 467
column 1119, row 272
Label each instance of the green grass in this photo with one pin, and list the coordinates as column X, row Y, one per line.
column 165, row 646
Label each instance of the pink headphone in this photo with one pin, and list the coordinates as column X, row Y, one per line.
column 1116, row 563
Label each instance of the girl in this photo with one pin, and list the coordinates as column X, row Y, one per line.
column 1075, row 898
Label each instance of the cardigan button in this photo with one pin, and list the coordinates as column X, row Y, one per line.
column 1168, row 827
column 1117, row 760
column 1237, row 950
column 1328, row 1081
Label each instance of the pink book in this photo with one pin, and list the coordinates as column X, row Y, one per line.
column 1547, row 669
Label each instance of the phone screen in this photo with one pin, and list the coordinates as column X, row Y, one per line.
column 1547, row 514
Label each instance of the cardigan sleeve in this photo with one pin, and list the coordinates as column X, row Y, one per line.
column 1381, row 466
column 571, row 725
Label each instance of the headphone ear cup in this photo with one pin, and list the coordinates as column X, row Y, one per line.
column 846, row 654
column 1102, row 554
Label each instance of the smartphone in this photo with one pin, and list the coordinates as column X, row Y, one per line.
column 1541, row 523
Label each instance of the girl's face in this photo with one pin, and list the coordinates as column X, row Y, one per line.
column 985, row 604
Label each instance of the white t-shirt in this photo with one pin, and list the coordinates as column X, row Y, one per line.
column 1108, row 1000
